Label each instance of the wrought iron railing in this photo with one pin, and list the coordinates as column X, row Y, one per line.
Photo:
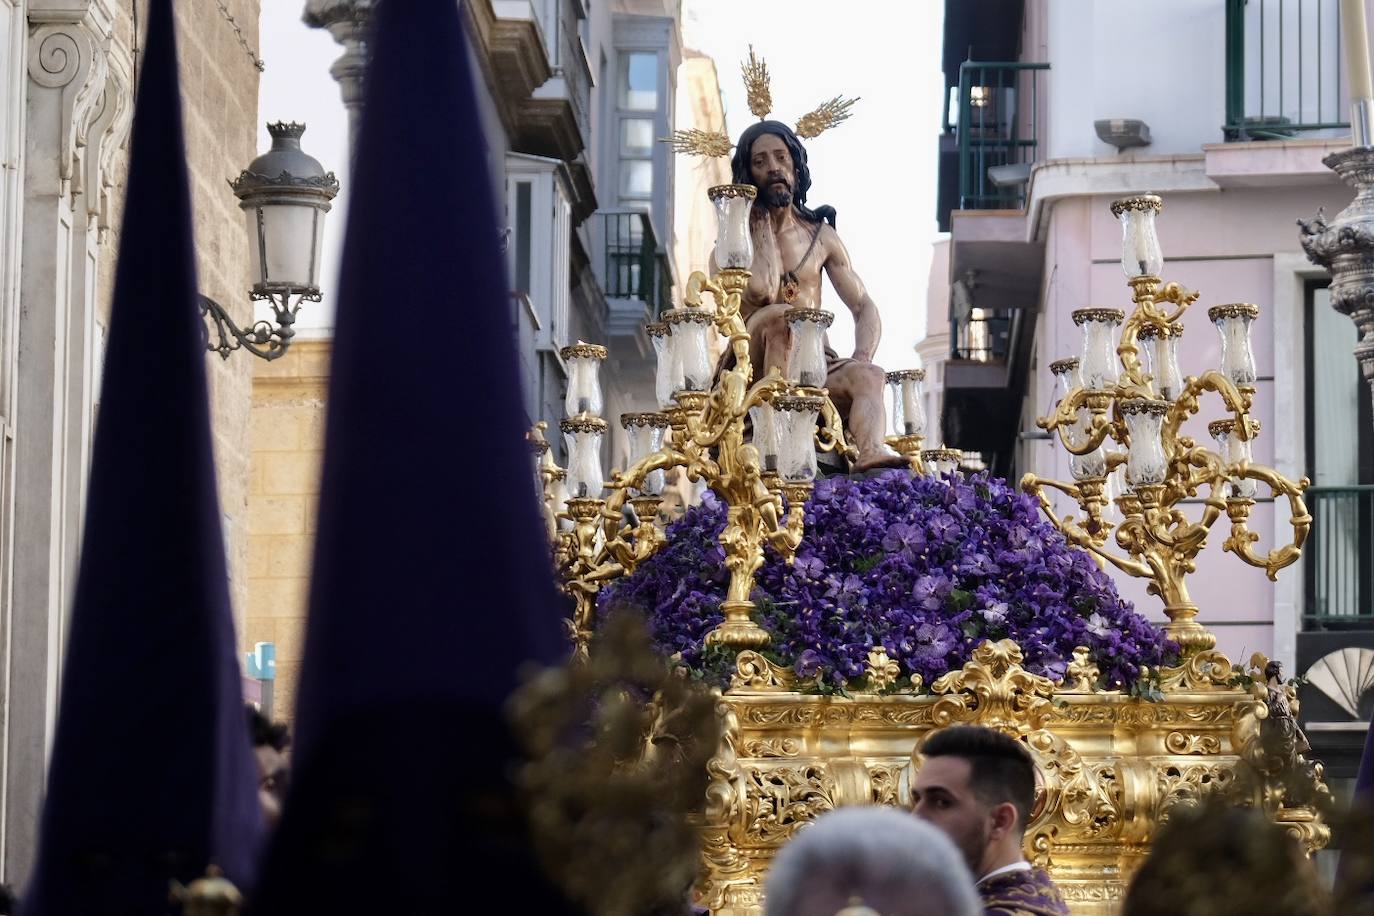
column 1283, row 68
column 998, row 131
column 982, row 335
column 1339, row 569
column 635, row 268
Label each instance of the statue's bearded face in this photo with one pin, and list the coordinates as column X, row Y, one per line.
column 770, row 165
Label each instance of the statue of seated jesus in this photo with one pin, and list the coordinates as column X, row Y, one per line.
column 792, row 245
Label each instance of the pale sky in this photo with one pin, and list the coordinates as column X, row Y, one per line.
column 877, row 169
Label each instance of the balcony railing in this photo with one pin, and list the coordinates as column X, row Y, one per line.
column 1284, row 73
column 634, row 267
column 1340, row 558
column 998, row 131
column 981, row 336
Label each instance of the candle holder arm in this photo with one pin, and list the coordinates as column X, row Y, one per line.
column 1073, row 533
column 1238, row 509
column 1065, row 419
column 830, row 435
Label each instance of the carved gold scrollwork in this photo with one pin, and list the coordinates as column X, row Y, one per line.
column 1185, row 743
column 1189, row 783
column 993, row 690
column 1082, row 675
column 1082, row 797
column 1205, row 670
column 754, row 673
column 772, row 747
column 887, row 784
column 782, row 799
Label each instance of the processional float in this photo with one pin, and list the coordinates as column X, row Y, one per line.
column 1113, row 761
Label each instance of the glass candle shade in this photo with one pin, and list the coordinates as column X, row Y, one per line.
column 1093, row 464
column 1065, row 376
column 1140, row 252
column 734, row 244
column 582, row 435
column 806, row 354
column 908, row 402
column 1234, row 450
column 558, row 493
column 645, row 432
column 1161, row 353
column 1097, row 366
column 1233, row 322
column 765, row 422
column 941, row 461
column 1146, row 463
column 691, row 355
column 667, row 371
column 796, row 423
column 584, row 385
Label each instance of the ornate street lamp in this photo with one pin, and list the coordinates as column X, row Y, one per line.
column 285, row 195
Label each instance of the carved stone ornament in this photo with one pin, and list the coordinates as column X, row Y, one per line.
column 73, row 51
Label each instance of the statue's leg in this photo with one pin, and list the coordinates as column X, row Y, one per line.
column 768, row 339
column 857, row 390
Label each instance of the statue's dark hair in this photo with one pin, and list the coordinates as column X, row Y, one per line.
column 1000, row 768
column 739, row 166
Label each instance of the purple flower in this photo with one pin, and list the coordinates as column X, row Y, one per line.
column 925, row 568
column 934, row 640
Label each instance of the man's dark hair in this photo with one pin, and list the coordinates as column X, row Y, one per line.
column 265, row 732
column 1000, row 769
column 744, row 151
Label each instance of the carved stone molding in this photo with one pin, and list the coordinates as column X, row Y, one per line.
column 73, row 52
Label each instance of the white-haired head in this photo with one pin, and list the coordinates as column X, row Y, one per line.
column 879, row 858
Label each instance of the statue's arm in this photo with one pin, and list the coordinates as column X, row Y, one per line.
column 868, row 327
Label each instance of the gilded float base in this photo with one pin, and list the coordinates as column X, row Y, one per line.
column 1113, row 766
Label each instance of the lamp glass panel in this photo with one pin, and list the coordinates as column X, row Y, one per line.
column 290, row 236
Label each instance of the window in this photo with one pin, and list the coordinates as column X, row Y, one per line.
column 637, row 137
column 520, row 275
column 1338, row 574
column 639, row 80
column 637, row 115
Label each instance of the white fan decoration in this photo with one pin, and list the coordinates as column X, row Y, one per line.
column 1344, row 676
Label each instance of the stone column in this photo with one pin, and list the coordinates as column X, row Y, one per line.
column 1345, row 247
column 76, row 116
column 347, row 21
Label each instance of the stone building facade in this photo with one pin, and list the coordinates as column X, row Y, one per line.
column 599, row 220
column 67, row 73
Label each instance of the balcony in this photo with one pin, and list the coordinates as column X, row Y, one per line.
column 1284, row 73
column 634, row 272
column 993, row 126
column 998, row 133
column 1340, row 559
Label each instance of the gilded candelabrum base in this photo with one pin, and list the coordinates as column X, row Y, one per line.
column 909, row 447
column 691, row 404
column 1183, row 628
column 646, row 507
column 733, row 280
column 738, row 630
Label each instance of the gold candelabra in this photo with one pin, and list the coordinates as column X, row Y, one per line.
column 764, row 480
column 1110, row 395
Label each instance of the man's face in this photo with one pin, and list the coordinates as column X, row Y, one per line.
column 943, row 796
column 273, row 768
column 770, row 165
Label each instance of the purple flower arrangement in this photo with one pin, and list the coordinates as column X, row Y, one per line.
column 925, row 568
